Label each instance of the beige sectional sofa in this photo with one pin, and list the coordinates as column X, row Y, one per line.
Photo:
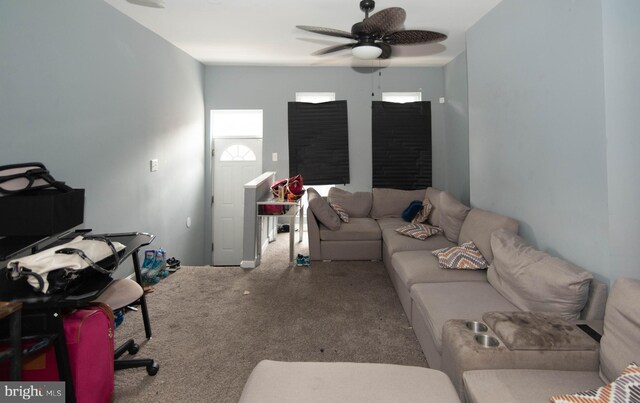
column 439, row 303
column 430, row 295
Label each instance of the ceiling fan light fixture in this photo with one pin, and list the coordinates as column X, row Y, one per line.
column 148, row 3
column 366, row 51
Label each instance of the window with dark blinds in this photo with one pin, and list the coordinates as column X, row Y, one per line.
column 319, row 142
column 401, row 145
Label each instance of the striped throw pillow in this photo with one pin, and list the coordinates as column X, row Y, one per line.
column 463, row 257
column 418, row 231
column 424, row 213
column 626, row 388
column 342, row 213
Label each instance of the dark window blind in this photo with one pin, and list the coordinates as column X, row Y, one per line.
column 319, row 142
column 401, row 145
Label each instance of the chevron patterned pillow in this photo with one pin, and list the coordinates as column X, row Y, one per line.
column 626, row 388
column 423, row 213
column 463, row 257
column 418, row 231
column 342, row 213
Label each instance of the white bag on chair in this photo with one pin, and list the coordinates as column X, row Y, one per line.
column 63, row 263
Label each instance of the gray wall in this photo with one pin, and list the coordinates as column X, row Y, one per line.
column 457, row 128
column 622, row 89
column 270, row 88
column 541, row 149
column 95, row 96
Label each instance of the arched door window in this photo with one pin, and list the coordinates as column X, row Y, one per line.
column 237, row 152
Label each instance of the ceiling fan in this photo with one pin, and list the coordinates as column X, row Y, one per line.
column 376, row 34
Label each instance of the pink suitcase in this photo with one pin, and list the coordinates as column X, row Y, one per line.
column 89, row 334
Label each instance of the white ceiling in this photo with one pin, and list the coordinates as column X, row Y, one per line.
column 263, row 32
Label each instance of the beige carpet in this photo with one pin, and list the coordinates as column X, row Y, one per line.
column 208, row 335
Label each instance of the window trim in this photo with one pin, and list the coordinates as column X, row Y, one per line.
column 251, row 116
column 407, row 96
column 315, row 97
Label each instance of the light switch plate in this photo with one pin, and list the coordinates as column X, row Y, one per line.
column 274, row 157
column 153, row 165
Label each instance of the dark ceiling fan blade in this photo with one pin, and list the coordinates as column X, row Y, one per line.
column 357, row 29
column 384, row 21
column 413, row 36
column 332, row 49
column 386, row 51
column 326, row 31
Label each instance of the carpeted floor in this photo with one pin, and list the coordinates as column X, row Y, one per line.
column 208, row 335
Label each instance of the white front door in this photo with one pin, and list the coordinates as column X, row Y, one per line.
column 235, row 162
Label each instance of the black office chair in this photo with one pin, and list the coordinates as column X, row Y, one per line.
column 119, row 294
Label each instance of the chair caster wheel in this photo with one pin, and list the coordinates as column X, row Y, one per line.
column 153, row 368
column 133, row 349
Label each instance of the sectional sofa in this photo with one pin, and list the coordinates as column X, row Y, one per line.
column 522, row 278
column 521, row 284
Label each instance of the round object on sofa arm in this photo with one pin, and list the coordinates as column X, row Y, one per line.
column 121, row 293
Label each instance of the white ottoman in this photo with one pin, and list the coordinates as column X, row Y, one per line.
column 283, row 382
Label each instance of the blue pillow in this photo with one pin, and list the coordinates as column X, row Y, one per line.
column 410, row 212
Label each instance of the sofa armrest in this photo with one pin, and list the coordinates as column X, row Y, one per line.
column 313, row 232
column 460, row 353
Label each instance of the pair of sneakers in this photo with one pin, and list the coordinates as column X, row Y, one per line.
column 303, row 260
column 173, row 264
column 154, row 266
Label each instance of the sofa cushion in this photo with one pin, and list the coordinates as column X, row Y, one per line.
column 322, row 210
column 356, row 204
column 537, row 331
column 433, row 195
column 418, row 231
column 319, row 382
column 390, row 222
column 394, row 242
column 535, row 281
column 420, row 266
column 340, row 211
column 620, row 343
column 392, row 202
column 478, row 227
column 626, row 388
column 357, row 229
column 440, row 302
column 451, row 213
column 463, row 257
column 524, row 385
